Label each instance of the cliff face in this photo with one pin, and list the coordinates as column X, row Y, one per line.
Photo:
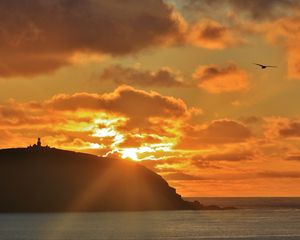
column 48, row 180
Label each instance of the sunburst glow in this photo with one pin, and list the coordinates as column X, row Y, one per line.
column 129, row 153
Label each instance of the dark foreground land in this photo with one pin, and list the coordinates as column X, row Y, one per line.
column 52, row 180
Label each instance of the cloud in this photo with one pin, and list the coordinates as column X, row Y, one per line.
column 277, row 174
column 281, row 32
column 281, row 127
column 164, row 77
column 222, row 131
column 5, row 136
column 144, row 112
column 124, row 100
column 291, row 130
column 13, row 114
column 203, row 164
column 254, row 9
column 242, row 20
column 251, row 120
column 126, row 117
column 93, row 120
column 133, row 141
column 40, row 36
column 230, row 156
column 293, row 157
column 284, row 32
column 215, row 79
column 167, row 162
column 217, row 159
column 212, row 35
column 181, row 176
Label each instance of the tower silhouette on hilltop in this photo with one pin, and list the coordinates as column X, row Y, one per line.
column 39, row 143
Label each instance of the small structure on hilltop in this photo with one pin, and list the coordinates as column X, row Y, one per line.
column 38, row 145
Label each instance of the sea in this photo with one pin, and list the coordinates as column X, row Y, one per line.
column 255, row 218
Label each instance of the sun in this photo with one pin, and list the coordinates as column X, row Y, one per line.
column 130, row 153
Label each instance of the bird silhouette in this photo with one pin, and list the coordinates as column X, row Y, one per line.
column 264, row 66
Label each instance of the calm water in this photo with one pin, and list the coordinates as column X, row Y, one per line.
column 252, row 202
column 252, row 223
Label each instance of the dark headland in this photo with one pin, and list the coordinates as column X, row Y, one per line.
column 43, row 179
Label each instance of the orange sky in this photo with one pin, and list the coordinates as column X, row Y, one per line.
column 170, row 84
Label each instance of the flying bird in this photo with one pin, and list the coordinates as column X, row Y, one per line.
column 264, row 66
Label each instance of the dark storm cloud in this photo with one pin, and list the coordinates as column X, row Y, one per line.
column 38, row 36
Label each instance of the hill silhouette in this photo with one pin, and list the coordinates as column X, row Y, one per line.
column 43, row 179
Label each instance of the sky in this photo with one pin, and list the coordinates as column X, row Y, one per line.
column 170, row 84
